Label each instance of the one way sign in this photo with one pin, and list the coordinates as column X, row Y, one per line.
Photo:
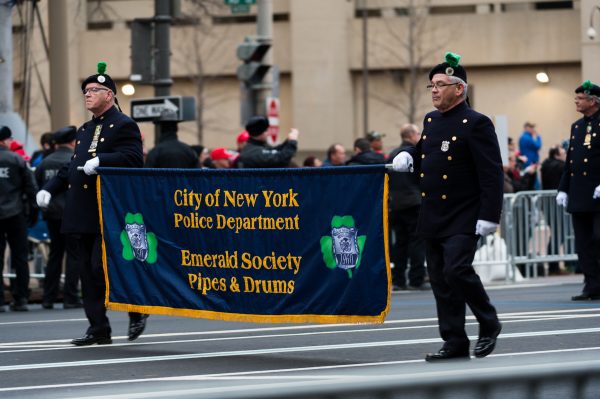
column 173, row 108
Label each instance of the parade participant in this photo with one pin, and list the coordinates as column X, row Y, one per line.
column 109, row 139
column 64, row 140
column 461, row 180
column 579, row 189
column 16, row 184
column 258, row 154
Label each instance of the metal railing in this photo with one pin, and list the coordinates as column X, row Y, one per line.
column 533, row 232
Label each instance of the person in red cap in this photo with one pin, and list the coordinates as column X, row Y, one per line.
column 242, row 139
column 222, row 158
column 17, row 147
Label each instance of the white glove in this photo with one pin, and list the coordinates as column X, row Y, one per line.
column 402, row 162
column 43, row 198
column 483, row 228
column 562, row 198
column 596, row 193
column 90, row 166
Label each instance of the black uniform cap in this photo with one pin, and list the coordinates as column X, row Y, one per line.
column 257, row 125
column 101, row 78
column 588, row 88
column 5, row 132
column 65, row 135
column 451, row 67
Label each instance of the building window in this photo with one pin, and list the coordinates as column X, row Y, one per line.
column 100, row 25
column 553, row 5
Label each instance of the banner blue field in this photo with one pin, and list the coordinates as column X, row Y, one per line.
column 280, row 245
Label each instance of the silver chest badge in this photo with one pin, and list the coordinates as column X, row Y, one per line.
column 445, row 146
column 137, row 237
column 345, row 247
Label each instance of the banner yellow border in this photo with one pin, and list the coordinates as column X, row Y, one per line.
column 253, row 318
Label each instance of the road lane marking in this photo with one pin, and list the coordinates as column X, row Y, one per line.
column 257, row 373
column 39, row 346
column 279, row 350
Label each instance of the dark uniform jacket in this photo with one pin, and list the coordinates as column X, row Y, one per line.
column 16, row 181
column 46, row 170
column 258, row 154
column 460, row 169
column 366, row 158
column 404, row 187
column 172, row 153
column 552, row 170
column 118, row 144
column 582, row 169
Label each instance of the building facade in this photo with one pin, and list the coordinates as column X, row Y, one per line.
column 318, row 47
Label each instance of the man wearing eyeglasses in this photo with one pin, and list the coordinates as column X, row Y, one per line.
column 461, row 180
column 109, row 139
column 579, row 189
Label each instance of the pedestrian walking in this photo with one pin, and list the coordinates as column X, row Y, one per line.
column 110, row 139
column 461, row 179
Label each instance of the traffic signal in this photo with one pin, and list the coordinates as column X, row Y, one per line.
column 253, row 70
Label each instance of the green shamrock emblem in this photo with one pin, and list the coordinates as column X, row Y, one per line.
column 344, row 247
column 137, row 243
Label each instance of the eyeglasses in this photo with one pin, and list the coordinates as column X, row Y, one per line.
column 94, row 90
column 439, row 85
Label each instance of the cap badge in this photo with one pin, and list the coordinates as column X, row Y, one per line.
column 101, row 79
column 445, row 146
column 449, row 71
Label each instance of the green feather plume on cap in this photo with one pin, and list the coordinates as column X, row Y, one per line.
column 452, row 59
column 101, row 68
column 587, row 85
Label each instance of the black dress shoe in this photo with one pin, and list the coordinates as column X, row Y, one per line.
column 486, row 344
column 136, row 328
column 447, row 354
column 74, row 305
column 19, row 306
column 91, row 339
column 584, row 296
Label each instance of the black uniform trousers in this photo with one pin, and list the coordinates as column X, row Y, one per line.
column 88, row 250
column 586, row 226
column 407, row 246
column 58, row 245
column 455, row 284
column 14, row 230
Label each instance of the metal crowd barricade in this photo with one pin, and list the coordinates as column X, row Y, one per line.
column 534, row 231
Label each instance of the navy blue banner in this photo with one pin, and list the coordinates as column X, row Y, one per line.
column 281, row 245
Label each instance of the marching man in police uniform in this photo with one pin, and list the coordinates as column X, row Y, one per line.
column 110, row 139
column 579, row 189
column 460, row 169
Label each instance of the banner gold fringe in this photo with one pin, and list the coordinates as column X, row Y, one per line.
column 242, row 317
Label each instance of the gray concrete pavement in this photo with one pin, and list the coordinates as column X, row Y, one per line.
column 178, row 356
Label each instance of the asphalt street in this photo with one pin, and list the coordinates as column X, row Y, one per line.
column 184, row 357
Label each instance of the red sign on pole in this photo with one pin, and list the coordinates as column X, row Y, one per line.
column 273, row 115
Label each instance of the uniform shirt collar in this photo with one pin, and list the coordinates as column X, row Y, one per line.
column 592, row 117
column 461, row 107
column 108, row 112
